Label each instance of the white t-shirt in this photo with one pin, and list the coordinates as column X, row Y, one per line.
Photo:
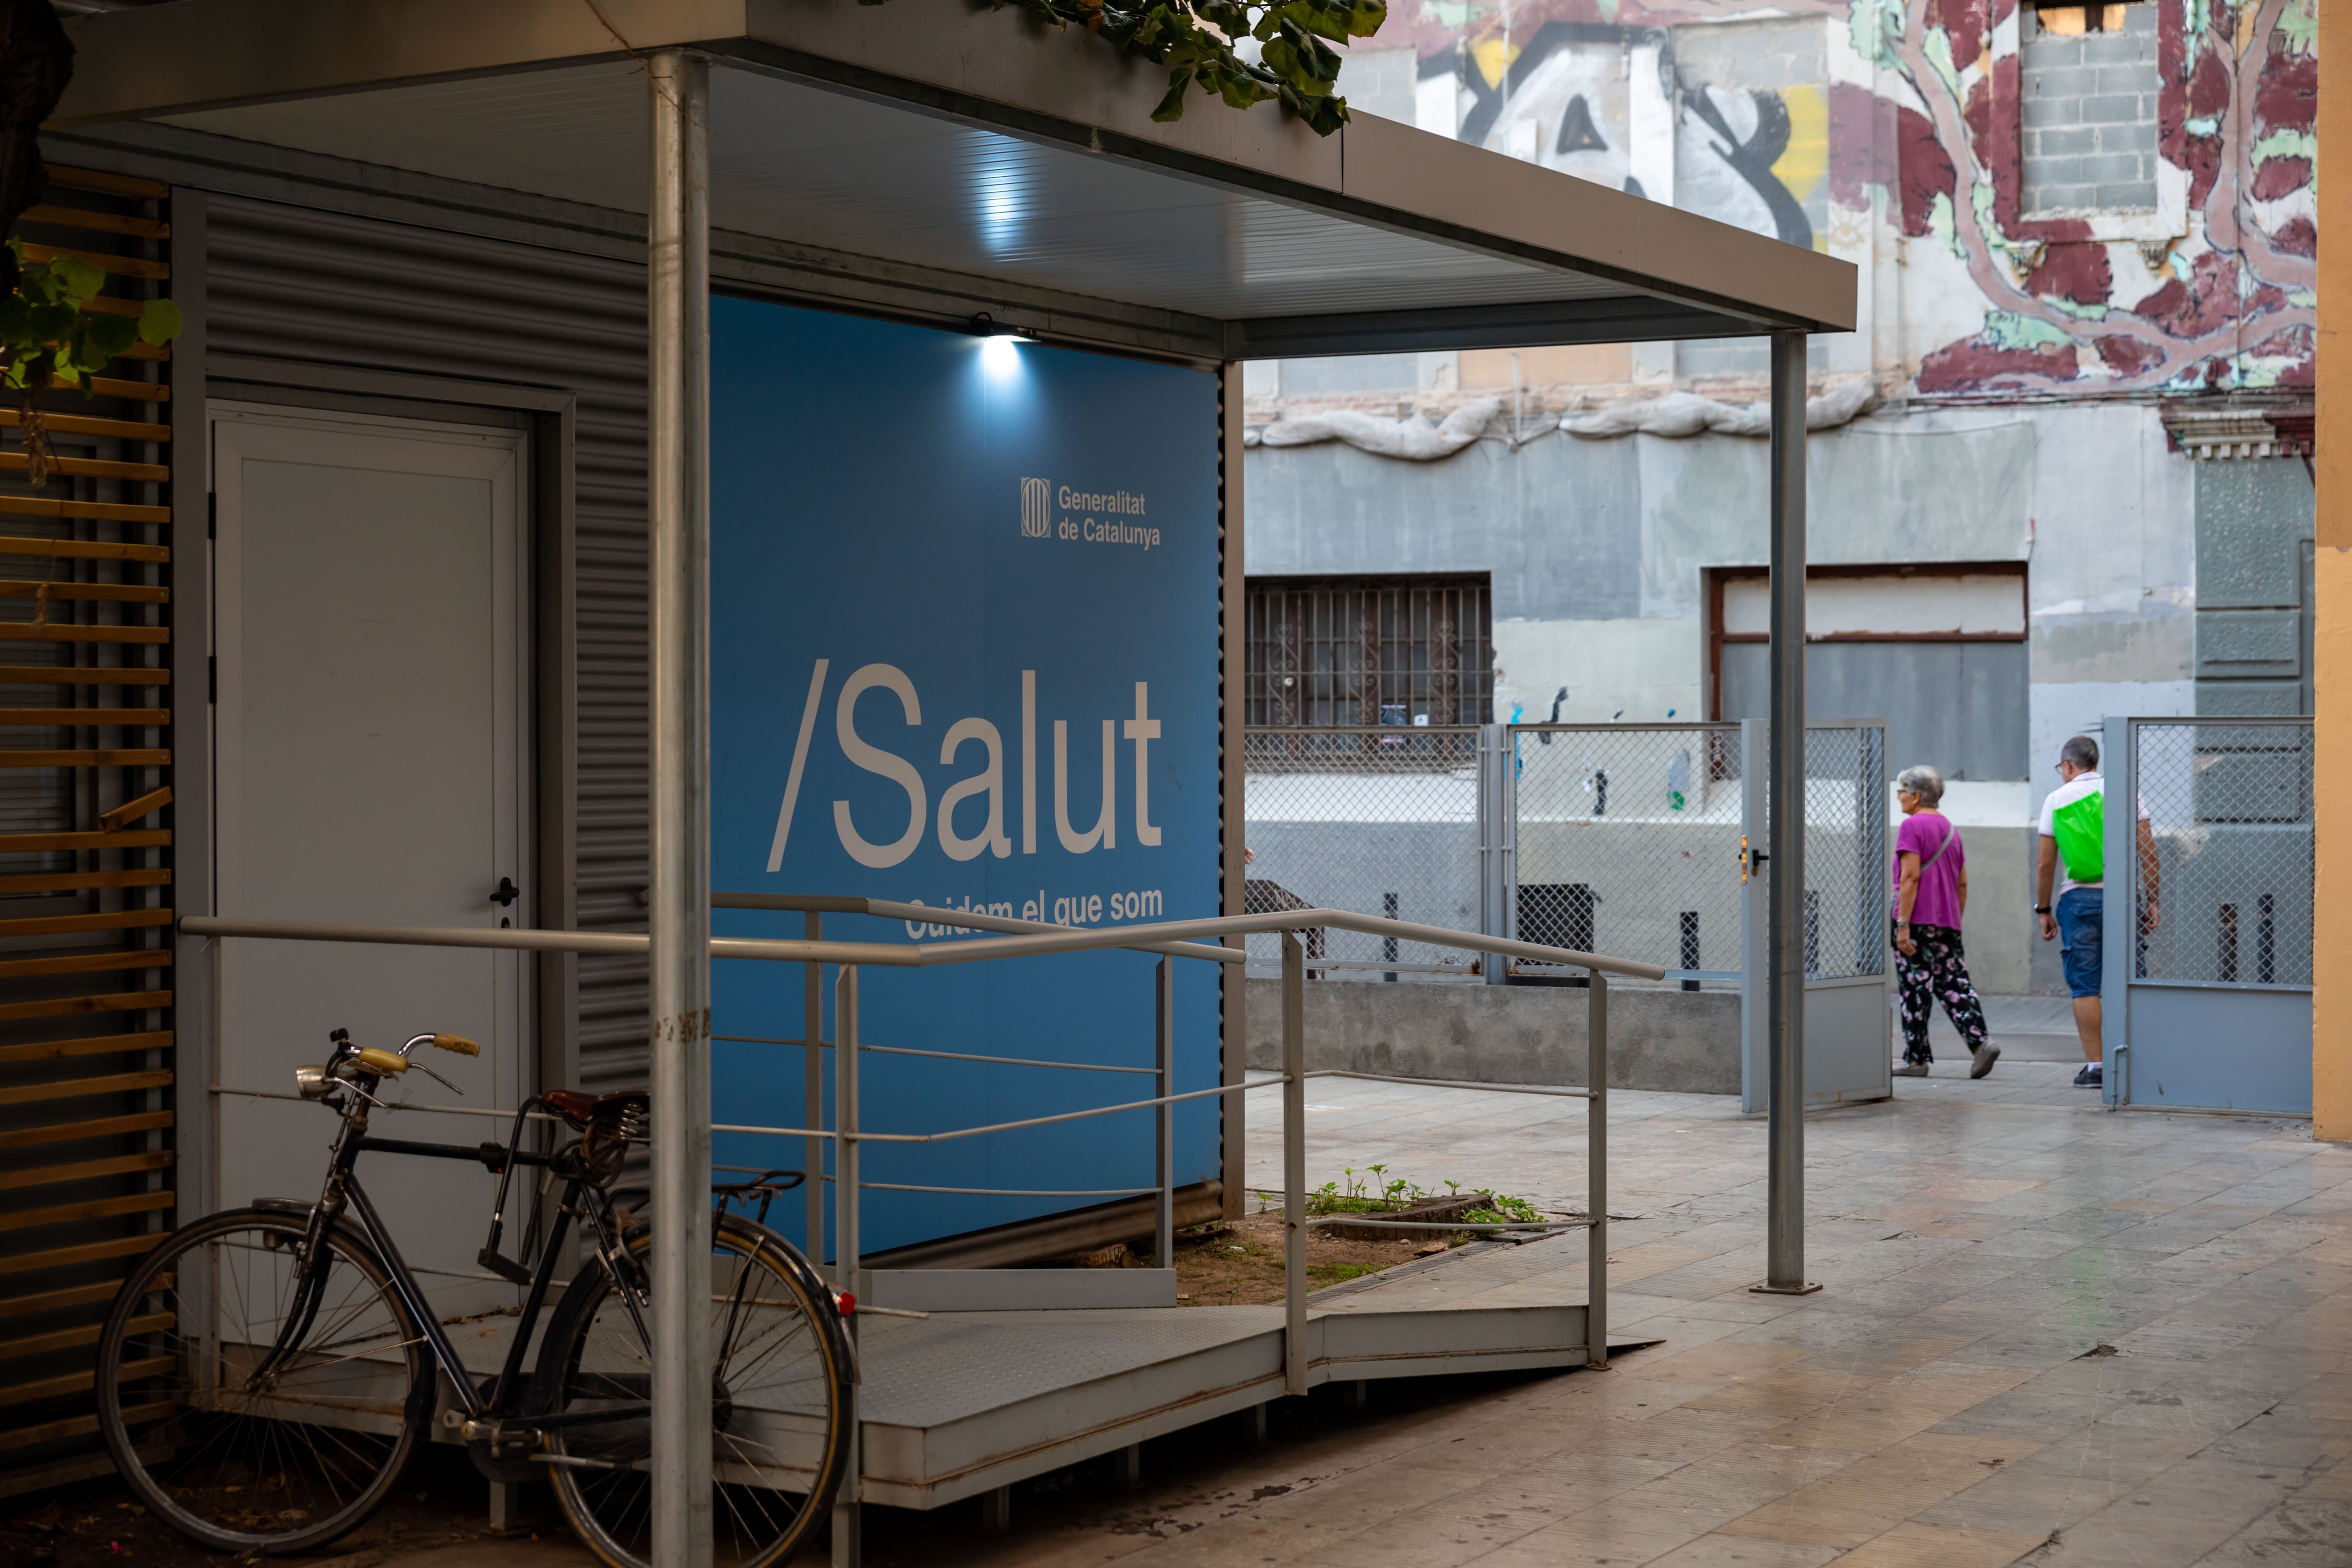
column 2077, row 788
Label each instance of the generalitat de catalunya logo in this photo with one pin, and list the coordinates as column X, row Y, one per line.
column 1036, row 498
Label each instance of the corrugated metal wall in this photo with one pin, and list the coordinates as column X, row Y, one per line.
column 294, row 284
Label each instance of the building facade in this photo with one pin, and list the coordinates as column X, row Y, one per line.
column 2061, row 469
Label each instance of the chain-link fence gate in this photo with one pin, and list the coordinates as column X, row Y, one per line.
column 2209, row 913
column 1625, row 840
column 1848, row 894
column 1846, row 856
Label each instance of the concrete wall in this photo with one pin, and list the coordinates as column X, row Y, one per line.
column 1998, row 934
column 1595, row 549
column 1683, row 1042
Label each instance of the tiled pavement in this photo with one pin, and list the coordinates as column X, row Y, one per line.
column 2048, row 1333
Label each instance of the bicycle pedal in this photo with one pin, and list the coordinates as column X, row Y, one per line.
column 504, row 1442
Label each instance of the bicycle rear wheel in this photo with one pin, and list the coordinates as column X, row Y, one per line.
column 780, row 1394
column 235, row 1457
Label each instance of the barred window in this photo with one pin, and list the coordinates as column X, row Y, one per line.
column 1369, row 650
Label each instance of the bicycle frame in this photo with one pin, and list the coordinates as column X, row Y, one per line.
column 343, row 1195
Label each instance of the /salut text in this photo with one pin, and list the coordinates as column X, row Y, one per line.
column 971, row 814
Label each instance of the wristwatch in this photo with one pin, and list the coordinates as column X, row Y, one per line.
column 2042, row 909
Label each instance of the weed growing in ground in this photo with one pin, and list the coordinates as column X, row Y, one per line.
column 1504, row 1210
column 1355, row 1194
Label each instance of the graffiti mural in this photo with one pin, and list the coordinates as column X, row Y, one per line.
column 1577, row 97
column 1896, row 134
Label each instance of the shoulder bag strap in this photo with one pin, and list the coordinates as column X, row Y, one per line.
column 1951, row 833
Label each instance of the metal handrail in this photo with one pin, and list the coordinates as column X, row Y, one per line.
column 1171, row 939
column 942, row 1056
column 908, row 956
column 888, row 909
column 954, row 1134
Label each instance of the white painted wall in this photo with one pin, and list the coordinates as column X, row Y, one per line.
column 1970, row 603
column 1640, row 668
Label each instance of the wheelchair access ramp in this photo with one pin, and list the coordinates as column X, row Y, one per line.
column 959, row 1403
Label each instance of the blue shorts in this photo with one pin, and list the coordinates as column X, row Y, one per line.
column 2080, row 925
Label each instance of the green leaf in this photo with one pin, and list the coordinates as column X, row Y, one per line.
column 48, row 322
column 103, row 337
column 81, row 280
column 1171, row 108
column 159, row 320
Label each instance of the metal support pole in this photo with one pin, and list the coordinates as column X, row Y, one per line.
column 849, row 1537
column 2119, row 765
column 1785, row 930
column 1754, row 923
column 678, row 495
column 1497, row 755
column 844, row 1123
column 1596, row 1181
column 813, row 1084
column 1164, row 1230
column 1294, row 1164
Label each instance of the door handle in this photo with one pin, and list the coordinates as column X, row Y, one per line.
column 506, row 892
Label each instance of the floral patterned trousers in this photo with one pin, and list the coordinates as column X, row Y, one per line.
column 1937, row 972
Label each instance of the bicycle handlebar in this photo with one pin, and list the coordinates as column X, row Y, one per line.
column 457, row 1042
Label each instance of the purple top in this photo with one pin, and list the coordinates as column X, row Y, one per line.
column 1938, row 904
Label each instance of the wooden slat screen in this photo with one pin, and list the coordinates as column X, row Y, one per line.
column 87, row 1095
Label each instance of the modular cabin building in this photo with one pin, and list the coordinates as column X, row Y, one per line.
column 337, row 608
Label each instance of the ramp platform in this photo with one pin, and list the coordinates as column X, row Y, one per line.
column 958, row 1404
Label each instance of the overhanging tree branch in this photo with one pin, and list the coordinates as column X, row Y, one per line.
column 1195, row 41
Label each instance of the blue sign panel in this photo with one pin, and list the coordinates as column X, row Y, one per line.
column 963, row 653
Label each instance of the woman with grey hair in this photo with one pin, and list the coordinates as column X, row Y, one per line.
column 1931, row 892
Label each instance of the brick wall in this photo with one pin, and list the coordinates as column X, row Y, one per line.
column 2090, row 116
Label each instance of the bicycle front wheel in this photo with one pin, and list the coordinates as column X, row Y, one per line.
column 236, row 1439
column 780, row 1404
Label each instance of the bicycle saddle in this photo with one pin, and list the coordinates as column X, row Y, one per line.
column 578, row 1108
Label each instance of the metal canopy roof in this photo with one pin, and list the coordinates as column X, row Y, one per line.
column 969, row 143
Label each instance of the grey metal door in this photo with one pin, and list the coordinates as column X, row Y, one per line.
column 2207, row 914
column 1847, row 974
column 369, row 579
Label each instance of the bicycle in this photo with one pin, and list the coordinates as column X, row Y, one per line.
column 265, row 1374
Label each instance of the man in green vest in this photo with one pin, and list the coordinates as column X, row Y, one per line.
column 2073, row 852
